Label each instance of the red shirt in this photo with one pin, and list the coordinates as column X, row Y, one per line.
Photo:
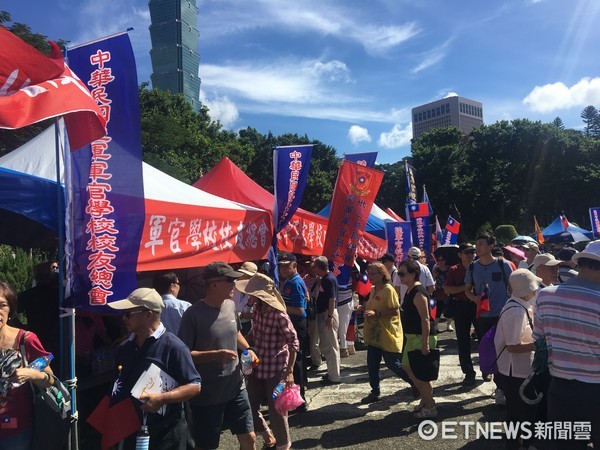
column 16, row 411
column 456, row 277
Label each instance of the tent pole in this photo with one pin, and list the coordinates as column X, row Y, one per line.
column 66, row 314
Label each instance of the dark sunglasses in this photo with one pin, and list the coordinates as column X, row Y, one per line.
column 131, row 312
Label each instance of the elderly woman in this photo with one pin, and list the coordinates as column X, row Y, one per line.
column 515, row 348
column 275, row 344
column 418, row 330
column 382, row 329
column 16, row 403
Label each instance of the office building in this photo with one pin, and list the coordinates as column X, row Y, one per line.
column 458, row 112
column 174, row 53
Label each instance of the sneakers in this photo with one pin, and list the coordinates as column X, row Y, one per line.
column 487, row 377
column 344, row 353
column 449, row 327
column 371, row 398
column 499, row 397
column 351, row 350
column 425, row 413
column 326, row 381
column 469, row 380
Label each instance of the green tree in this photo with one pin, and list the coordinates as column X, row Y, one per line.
column 590, row 120
column 505, row 233
column 558, row 123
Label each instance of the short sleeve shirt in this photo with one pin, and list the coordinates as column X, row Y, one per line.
column 514, row 329
column 204, row 328
column 495, row 276
column 328, row 289
column 384, row 332
column 456, row 277
column 294, row 293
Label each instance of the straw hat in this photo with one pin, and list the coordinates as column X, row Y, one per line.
column 263, row 288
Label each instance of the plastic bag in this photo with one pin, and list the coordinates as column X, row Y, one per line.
column 289, row 399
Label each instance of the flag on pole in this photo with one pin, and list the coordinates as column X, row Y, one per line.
column 438, row 231
column 418, row 210
column 564, row 221
column 364, row 159
column 595, row 220
column 451, row 231
column 34, row 87
column 484, row 302
column 426, row 200
column 411, row 187
column 393, row 215
column 538, row 231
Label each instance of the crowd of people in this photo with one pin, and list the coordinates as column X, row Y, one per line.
column 311, row 318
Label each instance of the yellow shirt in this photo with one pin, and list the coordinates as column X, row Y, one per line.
column 384, row 332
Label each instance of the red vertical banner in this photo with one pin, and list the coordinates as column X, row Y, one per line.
column 353, row 197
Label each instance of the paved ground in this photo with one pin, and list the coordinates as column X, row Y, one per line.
column 337, row 419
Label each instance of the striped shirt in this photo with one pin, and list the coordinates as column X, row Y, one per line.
column 273, row 334
column 568, row 316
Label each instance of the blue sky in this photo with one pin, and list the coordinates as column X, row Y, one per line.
column 348, row 72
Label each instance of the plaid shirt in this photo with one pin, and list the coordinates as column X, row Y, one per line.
column 273, row 334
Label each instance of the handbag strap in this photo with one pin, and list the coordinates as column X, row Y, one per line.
column 21, row 345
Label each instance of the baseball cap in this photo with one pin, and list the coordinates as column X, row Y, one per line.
column 466, row 248
column 142, row 297
column 414, row 252
column 248, row 268
column 532, row 246
column 545, row 259
column 387, row 257
column 219, row 269
column 523, row 282
column 287, row 258
column 591, row 251
column 566, row 253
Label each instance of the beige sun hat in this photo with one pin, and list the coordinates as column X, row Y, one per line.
column 263, row 288
column 142, row 297
column 248, row 268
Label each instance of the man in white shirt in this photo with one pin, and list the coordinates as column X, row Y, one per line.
column 168, row 286
column 531, row 251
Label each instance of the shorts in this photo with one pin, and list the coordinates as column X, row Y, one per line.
column 209, row 420
column 413, row 342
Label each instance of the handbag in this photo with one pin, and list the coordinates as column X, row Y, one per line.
column 52, row 412
column 425, row 367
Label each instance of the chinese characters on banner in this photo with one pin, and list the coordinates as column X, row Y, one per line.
column 419, row 218
column 595, row 220
column 411, row 187
column 355, row 191
column 191, row 236
column 399, row 239
column 364, row 159
column 107, row 183
column 450, row 235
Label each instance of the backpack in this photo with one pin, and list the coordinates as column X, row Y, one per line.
column 500, row 264
column 487, row 349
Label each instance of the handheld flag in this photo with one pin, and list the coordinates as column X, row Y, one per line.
column 363, row 286
column 538, row 231
column 484, row 302
column 564, row 221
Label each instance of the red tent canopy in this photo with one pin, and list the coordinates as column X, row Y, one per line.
column 305, row 234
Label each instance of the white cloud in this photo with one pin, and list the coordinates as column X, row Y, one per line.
column 557, row 96
column 450, row 94
column 221, row 109
column 358, row 134
column 433, row 57
column 332, row 70
column 396, row 137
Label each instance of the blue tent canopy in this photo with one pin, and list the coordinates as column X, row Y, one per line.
column 375, row 225
column 556, row 228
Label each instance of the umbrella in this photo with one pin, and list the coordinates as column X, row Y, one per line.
column 515, row 251
column 523, row 239
column 567, row 237
column 449, row 252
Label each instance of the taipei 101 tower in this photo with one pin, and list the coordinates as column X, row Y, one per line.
column 174, row 52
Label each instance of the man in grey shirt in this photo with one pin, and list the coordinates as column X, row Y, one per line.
column 211, row 329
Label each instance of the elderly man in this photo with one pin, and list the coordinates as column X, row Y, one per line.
column 211, row 330
column 545, row 266
column 531, row 251
column 567, row 317
column 150, row 343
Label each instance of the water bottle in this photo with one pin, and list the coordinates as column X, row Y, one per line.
column 42, row 362
column 278, row 389
column 246, row 362
column 142, row 441
column 39, row 364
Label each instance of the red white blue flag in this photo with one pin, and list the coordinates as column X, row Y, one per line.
column 419, row 219
column 107, row 181
column 450, row 235
column 364, row 159
column 417, row 210
column 426, row 200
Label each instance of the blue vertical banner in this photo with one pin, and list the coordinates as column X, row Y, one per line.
column 595, row 220
column 364, row 159
column 411, row 187
column 451, row 231
column 290, row 175
column 399, row 238
column 419, row 219
column 107, row 210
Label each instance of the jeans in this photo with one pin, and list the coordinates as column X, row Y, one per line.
column 392, row 360
column 463, row 319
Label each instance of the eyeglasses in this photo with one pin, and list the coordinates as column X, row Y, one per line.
column 131, row 312
column 402, row 274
